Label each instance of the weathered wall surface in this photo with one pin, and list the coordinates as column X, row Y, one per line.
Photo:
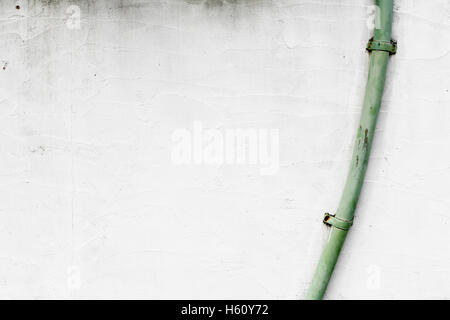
column 92, row 205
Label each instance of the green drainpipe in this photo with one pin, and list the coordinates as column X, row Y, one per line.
column 380, row 47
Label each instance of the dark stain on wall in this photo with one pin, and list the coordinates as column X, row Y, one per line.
column 139, row 4
column 142, row 3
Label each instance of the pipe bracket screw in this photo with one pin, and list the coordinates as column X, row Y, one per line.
column 332, row 220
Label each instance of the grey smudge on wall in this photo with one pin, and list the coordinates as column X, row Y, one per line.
column 220, row 3
column 39, row 150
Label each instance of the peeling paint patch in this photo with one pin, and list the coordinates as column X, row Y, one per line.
column 366, row 139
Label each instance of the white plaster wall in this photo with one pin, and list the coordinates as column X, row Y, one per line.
column 91, row 205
